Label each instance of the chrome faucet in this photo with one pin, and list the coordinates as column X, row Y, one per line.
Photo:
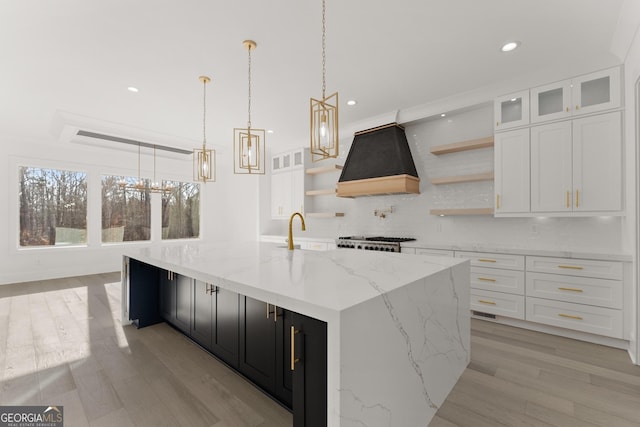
column 291, row 228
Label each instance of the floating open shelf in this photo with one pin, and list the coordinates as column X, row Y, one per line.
column 323, row 169
column 463, row 146
column 462, row 211
column 486, row 176
column 322, row 192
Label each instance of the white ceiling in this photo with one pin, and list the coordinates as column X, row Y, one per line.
column 80, row 56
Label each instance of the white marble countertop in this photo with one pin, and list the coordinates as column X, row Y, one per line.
column 515, row 250
column 318, row 284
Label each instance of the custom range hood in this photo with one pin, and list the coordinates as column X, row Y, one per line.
column 379, row 162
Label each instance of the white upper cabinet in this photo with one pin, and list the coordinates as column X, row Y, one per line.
column 287, row 184
column 551, row 167
column 511, row 110
column 576, row 165
column 511, row 155
column 597, row 163
column 590, row 93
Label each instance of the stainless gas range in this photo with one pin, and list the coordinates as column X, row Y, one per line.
column 377, row 243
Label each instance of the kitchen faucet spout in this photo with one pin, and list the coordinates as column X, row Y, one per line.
column 291, row 228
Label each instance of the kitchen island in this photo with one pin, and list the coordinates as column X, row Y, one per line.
column 397, row 325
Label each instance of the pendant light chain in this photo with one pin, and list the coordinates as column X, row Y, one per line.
column 204, row 113
column 249, row 92
column 324, row 57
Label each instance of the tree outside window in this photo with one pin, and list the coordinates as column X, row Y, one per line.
column 181, row 210
column 53, row 207
column 126, row 213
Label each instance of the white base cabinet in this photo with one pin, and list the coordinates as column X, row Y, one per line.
column 589, row 296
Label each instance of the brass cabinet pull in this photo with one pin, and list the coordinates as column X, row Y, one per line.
column 293, row 348
column 571, row 267
column 568, row 200
column 268, row 310
column 577, row 107
column 482, row 301
column 567, row 109
column 486, row 260
column 569, row 316
column 275, row 313
column 486, row 279
column 577, row 198
column 497, row 201
column 497, row 124
column 571, row 289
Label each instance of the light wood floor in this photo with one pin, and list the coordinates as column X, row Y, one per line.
column 61, row 343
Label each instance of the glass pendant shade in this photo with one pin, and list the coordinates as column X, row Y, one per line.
column 324, row 128
column 204, row 161
column 248, row 151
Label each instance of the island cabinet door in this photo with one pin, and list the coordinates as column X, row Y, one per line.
column 167, row 293
column 309, row 367
column 226, row 326
column 258, row 343
column 183, row 303
column 284, row 374
column 201, row 330
column 143, row 294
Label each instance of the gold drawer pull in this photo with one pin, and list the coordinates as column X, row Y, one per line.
column 568, row 200
column 568, row 316
column 482, row 301
column 572, row 267
column 293, row 346
column 486, row 279
column 571, row 289
column 497, row 201
column 486, row 260
column 577, row 198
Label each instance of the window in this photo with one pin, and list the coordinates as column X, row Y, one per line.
column 181, row 210
column 126, row 213
column 53, row 207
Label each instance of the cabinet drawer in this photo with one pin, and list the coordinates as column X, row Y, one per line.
column 483, row 259
column 437, row 252
column 494, row 279
column 582, row 290
column 499, row 303
column 585, row 318
column 576, row 267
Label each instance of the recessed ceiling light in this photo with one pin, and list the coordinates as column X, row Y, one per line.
column 352, row 102
column 132, row 89
column 269, row 130
column 508, row 47
column 443, row 115
column 514, row 99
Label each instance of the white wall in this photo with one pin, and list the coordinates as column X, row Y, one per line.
column 411, row 212
column 228, row 206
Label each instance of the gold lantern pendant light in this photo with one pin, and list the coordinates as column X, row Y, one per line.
column 204, row 160
column 248, row 144
column 324, row 114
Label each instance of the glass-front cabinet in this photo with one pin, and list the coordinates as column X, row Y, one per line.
column 512, row 110
column 590, row 93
